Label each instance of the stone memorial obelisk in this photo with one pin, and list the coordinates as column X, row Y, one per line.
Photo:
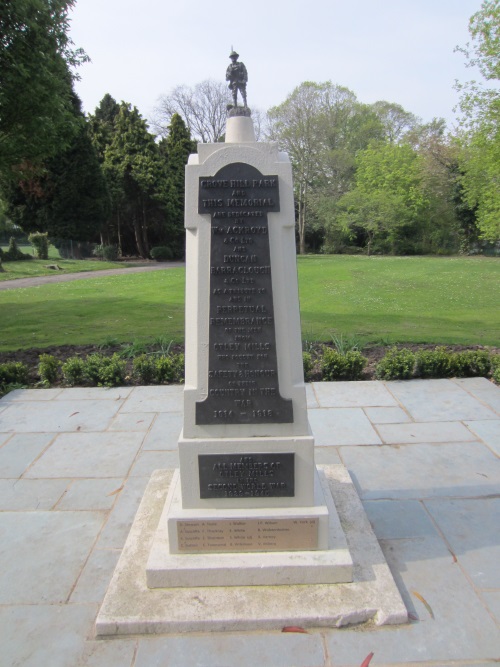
column 247, row 506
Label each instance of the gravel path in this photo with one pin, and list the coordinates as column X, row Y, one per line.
column 82, row 275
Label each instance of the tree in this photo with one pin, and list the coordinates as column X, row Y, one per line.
column 395, row 120
column 68, row 198
column 203, row 109
column 480, row 129
column 36, row 57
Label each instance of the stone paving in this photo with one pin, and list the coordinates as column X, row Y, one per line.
column 424, row 456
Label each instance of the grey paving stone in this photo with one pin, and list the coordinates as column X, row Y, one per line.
column 117, row 526
column 228, row 650
column 107, row 653
column 31, row 494
column 45, row 635
column 155, row 399
column 32, row 395
column 483, row 389
column 94, row 393
column 461, row 629
column 423, row 470
column 398, row 434
column 43, row 553
column 387, row 415
column 353, row 394
column 165, row 431
column 132, row 421
column 57, row 416
column 153, row 460
column 96, row 575
column 488, row 431
column 21, row 451
column 88, row 455
column 311, row 396
column 4, row 437
column 326, row 455
column 91, row 494
column 342, row 426
column 439, row 400
column 492, row 599
column 472, row 528
column 399, row 519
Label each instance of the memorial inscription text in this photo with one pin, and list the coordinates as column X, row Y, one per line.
column 243, row 369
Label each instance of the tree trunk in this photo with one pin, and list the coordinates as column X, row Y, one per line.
column 145, row 229
column 138, row 238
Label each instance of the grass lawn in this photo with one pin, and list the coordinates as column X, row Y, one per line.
column 380, row 299
column 36, row 267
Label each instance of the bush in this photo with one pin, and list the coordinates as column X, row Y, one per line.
column 169, row 369
column 472, row 363
column 495, row 368
column 108, row 252
column 14, row 372
column 396, row 365
column 40, row 242
column 437, row 363
column 144, row 369
column 162, row 253
column 73, row 371
column 13, row 254
column 104, row 371
column 348, row 366
column 48, row 369
column 308, row 363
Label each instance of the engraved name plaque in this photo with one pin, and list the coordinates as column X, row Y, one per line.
column 243, row 383
column 247, row 475
column 226, row 535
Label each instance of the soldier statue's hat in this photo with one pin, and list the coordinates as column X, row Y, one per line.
column 233, row 54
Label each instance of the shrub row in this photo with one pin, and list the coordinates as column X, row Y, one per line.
column 110, row 371
column 13, row 254
column 403, row 364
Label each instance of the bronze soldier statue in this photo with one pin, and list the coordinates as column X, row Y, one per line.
column 237, row 76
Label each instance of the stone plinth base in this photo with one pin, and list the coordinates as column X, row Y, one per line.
column 130, row 607
column 242, row 547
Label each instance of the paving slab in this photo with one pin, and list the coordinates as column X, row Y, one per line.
column 132, row 421
column 88, row 455
column 472, row 529
column 95, row 577
column 155, row 399
column 149, row 461
column 352, row 394
column 4, row 436
column 165, row 431
column 492, row 599
column 91, row 494
column 399, row 519
column 245, row 650
column 311, row 400
column 342, row 426
column 118, row 524
column 34, row 545
column 94, row 393
column 29, row 495
column 46, row 635
column 428, row 432
column 439, row 400
column 31, row 395
column 57, row 416
column 387, row 415
column 423, row 470
column 326, row 455
column 20, row 452
column 484, row 390
column 461, row 629
column 488, row 431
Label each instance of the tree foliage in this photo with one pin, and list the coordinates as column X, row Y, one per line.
column 36, row 61
column 480, row 131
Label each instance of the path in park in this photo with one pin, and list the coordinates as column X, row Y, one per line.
column 82, row 275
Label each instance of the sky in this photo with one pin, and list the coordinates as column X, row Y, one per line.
column 395, row 50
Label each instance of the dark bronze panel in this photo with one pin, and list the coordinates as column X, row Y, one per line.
column 243, row 369
column 247, row 475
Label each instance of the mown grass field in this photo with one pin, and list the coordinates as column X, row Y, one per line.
column 38, row 267
column 452, row 300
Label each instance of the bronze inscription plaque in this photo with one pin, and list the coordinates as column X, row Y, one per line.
column 226, row 535
column 242, row 362
column 247, row 475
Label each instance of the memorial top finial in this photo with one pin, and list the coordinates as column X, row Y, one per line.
column 237, row 76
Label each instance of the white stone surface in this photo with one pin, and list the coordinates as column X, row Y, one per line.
column 130, row 607
column 329, row 563
column 302, row 447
